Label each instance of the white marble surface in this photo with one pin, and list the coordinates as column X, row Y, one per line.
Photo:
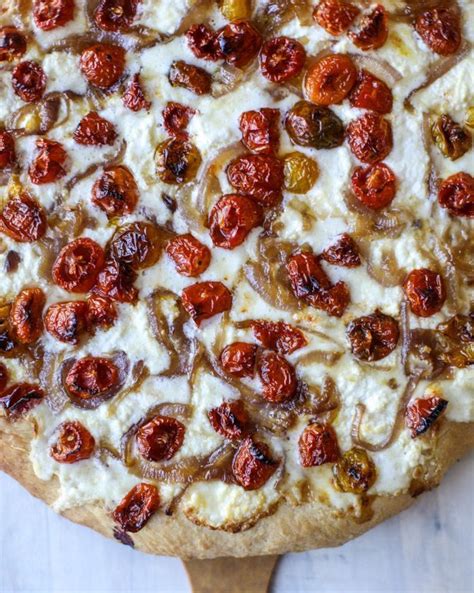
column 428, row 549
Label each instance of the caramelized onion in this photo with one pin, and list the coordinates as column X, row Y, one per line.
column 50, row 381
column 114, row 159
column 379, row 67
column 367, row 222
column 386, row 273
column 43, row 116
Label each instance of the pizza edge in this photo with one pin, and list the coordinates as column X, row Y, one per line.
column 304, row 527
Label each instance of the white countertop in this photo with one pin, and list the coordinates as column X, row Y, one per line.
column 428, row 549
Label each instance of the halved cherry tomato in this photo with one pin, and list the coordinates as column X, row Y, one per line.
column 281, row 59
column 74, row 443
column 372, row 93
column 160, row 438
column 101, row 312
column 115, row 15
column 23, row 219
column 252, row 465
column 48, row 164
column 238, row 43
column 12, row 43
column 176, row 118
column 259, row 175
column 137, row 245
column 330, row 79
column 189, row 255
column 18, row 399
column 373, row 337
column 279, row 336
column 29, row 81
column 335, row 16
column 278, row 377
column 374, row 186
column 103, row 64
column 440, row 29
column 116, row 191
column 136, row 509
column 343, row 252
column 91, row 376
column 202, row 42
column 260, row 130
column 229, row 419
column 134, row 96
column 116, row 281
column 190, row 77
column 306, row 274
column 203, row 300
column 94, row 130
column 177, row 161
column 66, row 321
column 422, row 413
column 50, row 14
column 456, row 194
column 318, row 445
column 25, row 315
column 425, row 292
column 239, row 358
column 7, row 150
column 370, row 138
column 373, row 30
column 354, row 472
column 232, row 219
column 78, row 264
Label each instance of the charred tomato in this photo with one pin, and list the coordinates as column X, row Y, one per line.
column 116, row 191
column 203, row 300
column 278, row 377
column 238, row 359
column 189, row 255
column 229, row 419
column 78, row 264
column 232, row 219
column 73, row 443
column 373, row 337
column 370, row 138
column 318, row 445
column 160, row 438
column 425, row 292
column 66, row 321
column 422, row 413
column 138, row 506
column 23, row 219
column 29, row 81
column 25, row 315
column 252, row 465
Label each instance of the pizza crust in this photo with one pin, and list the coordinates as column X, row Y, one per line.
column 290, row 528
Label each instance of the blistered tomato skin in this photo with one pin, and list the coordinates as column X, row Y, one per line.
column 18, row 399
column 116, row 281
column 370, row 138
column 238, row 43
column 440, row 29
column 25, row 315
column 116, row 191
column 160, row 438
column 29, row 81
column 281, row 59
column 134, row 97
column 373, row 30
column 202, row 42
column 260, row 130
column 232, row 219
column 50, row 14
column 301, row 172
column 138, row 506
column 23, row 219
column 48, row 165
column 4, row 377
column 259, row 176
column 103, row 64
column 67, row 321
column 7, row 150
column 425, row 292
column 189, row 255
column 229, row 420
column 330, row 79
column 318, row 445
column 73, row 443
column 203, row 300
column 335, row 16
column 137, row 245
column 373, row 337
column 115, row 15
column 456, row 194
column 343, row 252
column 422, row 413
column 12, row 43
column 279, row 336
column 371, row 93
column 452, row 139
column 355, row 472
column 278, row 377
column 177, row 161
column 94, row 130
column 78, row 264
column 176, row 118
column 100, row 312
column 238, row 359
column 252, row 465
column 190, row 77
column 374, row 186
column 306, row 274
column 91, row 377
column 313, row 126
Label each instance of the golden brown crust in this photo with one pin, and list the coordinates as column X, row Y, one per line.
column 289, row 529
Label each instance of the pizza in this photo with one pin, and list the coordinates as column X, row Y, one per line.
column 237, row 264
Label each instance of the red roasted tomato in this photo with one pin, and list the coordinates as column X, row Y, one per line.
column 343, row 252
column 23, row 219
column 229, row 420
column 440, row 29
column 425, row 292
column 318, row 445
column 373, row 337
column 206, row 299
column 330, row 79
column 67, row 321
column 18, row 399
column 258, row 175
column 50, row 14
column 281, row 59
column 116, row 191
column 160, row 438
column 94, row 130
column 373, row 30
column 278, row 377
column 238, row 43
column 134, row 96
column 189, row 255
column 260, row 130
column 74, row 443
column 279, row 336
column 239, row 358
column 29, row 81
column 176, row 118
column 370, row 138
column 91, row 376
column 336, row 16
column 456, row 194
column 12, row 43
column 7, row 150
column 371, row 93
column 78, row 264
column 190, row 77
column 232, row 219
column 103, row 64
column 115, row 15
column 116, row 281
column 422, row 413
column 374, row 186
column 101, row 312
column 25, row 315
column 202, row 42
column 48, row 164
column 252, row 465
column 136, row 509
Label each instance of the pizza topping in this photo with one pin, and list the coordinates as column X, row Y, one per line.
column 425, row 292
column 116, row 191
column 136, row 509
column 452, row 139
column 279, row 336
column 440, row 29
column 355, row 472
column 373, row 337
column 103, row 64
column 330, row 79
column 7, row 150
column 318, row 445
column 48, row 164
column 374, row 186
column 78, row 264
column 134, row 96
column 229, row 420
column 66, row 321
column 281, row 59
column 342, row 253
column 50, row 14
column 115, row 15
column 137, row 245
column 101, row 312
column 239, row 358
column 371, row 93
column 160, row 438
column 258, row 175
column 4, row 377
column 25, row 315
column 202, row 42
column 317, row 127
column 301, row 172
column 177, row 161
column 12, row 43
column 176, row 118
column 23, row 219
column 238, row 43
column 252, row 465
column 234, row 10
column 232, row 219
column 116, row 281
column 277, row 376
column 203, row 300
column 373, row 30
column 94, row 130
column 18, row 399
column 370, row 138
column 29, row 81
column 91, row 377
column 335, row 16
column 190, row 77
column 422, row 413
column 74, row 443
column 189, row 255
column 260, row 130
column 456, row 193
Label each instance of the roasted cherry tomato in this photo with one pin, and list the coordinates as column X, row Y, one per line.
column 94, row 130
column 239, row 358
column 281, row 59
column 456, row 193
column 229, row 419
column 373, row 30
column 317, row 127
column 48, row 164
column 190, row 77
column 422, row 413
column 78, row 264
column 234, row 10
column 370, row 138
column 101, row 312
column 23, row 219
column 343, row 252
column 206, row 299
column 116, row 191
column 301, row 172
column 371, row 93
column 202, row 42
column 189, row 255
column 306, row 274
column 91, row 376
column 374, row 186
column 12, row 43
column 103, row 64
column 136, row 509
column 176, row 118
column 25, row 315
column 232, row 219
column 177, row 161
column 440, row 29
column 425, row 292
column 279, row 336
column 330, row 79
column 260, row 130
column 138, row 245
column 452, row 139
column 29, row 81
column 67, row 321
column 160, row 438
column 335, row 16
column 355, row 472
column 259, row 175
column 7, row 150
column 73, row 443
column 116, row 281
column 134, row 95
column 50, row 14
column 115, row 15
column 373, row 337
column 4, row 376
column 277, row 376
column 318, row 445
column 252, row 465
column 18, row 399
column 238, row 43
